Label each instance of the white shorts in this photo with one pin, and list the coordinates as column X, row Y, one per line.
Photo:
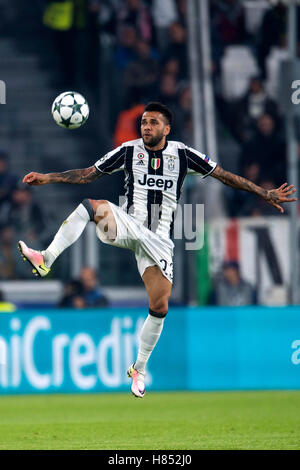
column 149, row 248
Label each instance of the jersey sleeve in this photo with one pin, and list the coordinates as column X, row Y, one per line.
column 112, row 161
column 198, row 163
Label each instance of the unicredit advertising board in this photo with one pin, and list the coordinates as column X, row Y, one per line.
column 60, row 351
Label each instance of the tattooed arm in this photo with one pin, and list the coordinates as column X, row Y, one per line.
column 273, row 196
column 85, row 175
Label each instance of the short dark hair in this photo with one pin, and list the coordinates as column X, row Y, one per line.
column 160, row 108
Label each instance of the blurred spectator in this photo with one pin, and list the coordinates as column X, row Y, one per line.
column 106, row 12
column 244, row 113
column 26, row 216
column 164, row 14
column 228, row 20
column 7, row 255
column 231, row 290
column 272, row 32
column 137, row 14
column 241, row 203
column 141, row 75
column 72, row 290
column 85, row 292
column 8, row 180
column 125, row 49
column 227, row 27
column 171, row 67
column 182, row 11
column 21, row 217
column 92, row 294
column 182, row 126
column 6, row 306
column 267, row 150
column 128, row 124
column 168, row 90
column 178, row 48
column 73, row 25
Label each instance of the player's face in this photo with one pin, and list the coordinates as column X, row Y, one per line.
column 154, row 128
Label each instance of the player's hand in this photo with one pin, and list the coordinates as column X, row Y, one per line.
column 35, row 179
column 275, row 197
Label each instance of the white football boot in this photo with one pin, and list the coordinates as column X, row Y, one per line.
column 35, row 258
column 138, row 382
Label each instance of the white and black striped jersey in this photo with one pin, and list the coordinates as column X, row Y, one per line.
column 154, row 179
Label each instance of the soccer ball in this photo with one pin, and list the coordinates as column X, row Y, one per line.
column 70, row 110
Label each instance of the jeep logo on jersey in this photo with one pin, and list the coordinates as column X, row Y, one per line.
column 154, row 180
column 155, row 163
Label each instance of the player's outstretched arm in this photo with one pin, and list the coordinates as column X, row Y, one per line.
column 85, row 175
column 275, row 197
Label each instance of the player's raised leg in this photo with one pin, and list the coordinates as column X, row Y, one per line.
column 159, row 290
column 68, row 233
column 104, row 218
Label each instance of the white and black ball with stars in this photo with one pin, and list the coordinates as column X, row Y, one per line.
column 70, row 110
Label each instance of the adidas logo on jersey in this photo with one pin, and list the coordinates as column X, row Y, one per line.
column 156, row 181
column 140, row 162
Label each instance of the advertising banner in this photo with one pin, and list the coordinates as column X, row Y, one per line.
column 244, row 348
column 67, row 351
column 80, row 351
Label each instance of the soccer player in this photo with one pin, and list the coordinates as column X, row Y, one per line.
column 155, row 169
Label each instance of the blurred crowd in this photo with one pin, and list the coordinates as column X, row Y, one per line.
column 20, row 215
column 230, row 289
column 84, row 292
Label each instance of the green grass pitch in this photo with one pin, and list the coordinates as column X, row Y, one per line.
column 169, row 421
